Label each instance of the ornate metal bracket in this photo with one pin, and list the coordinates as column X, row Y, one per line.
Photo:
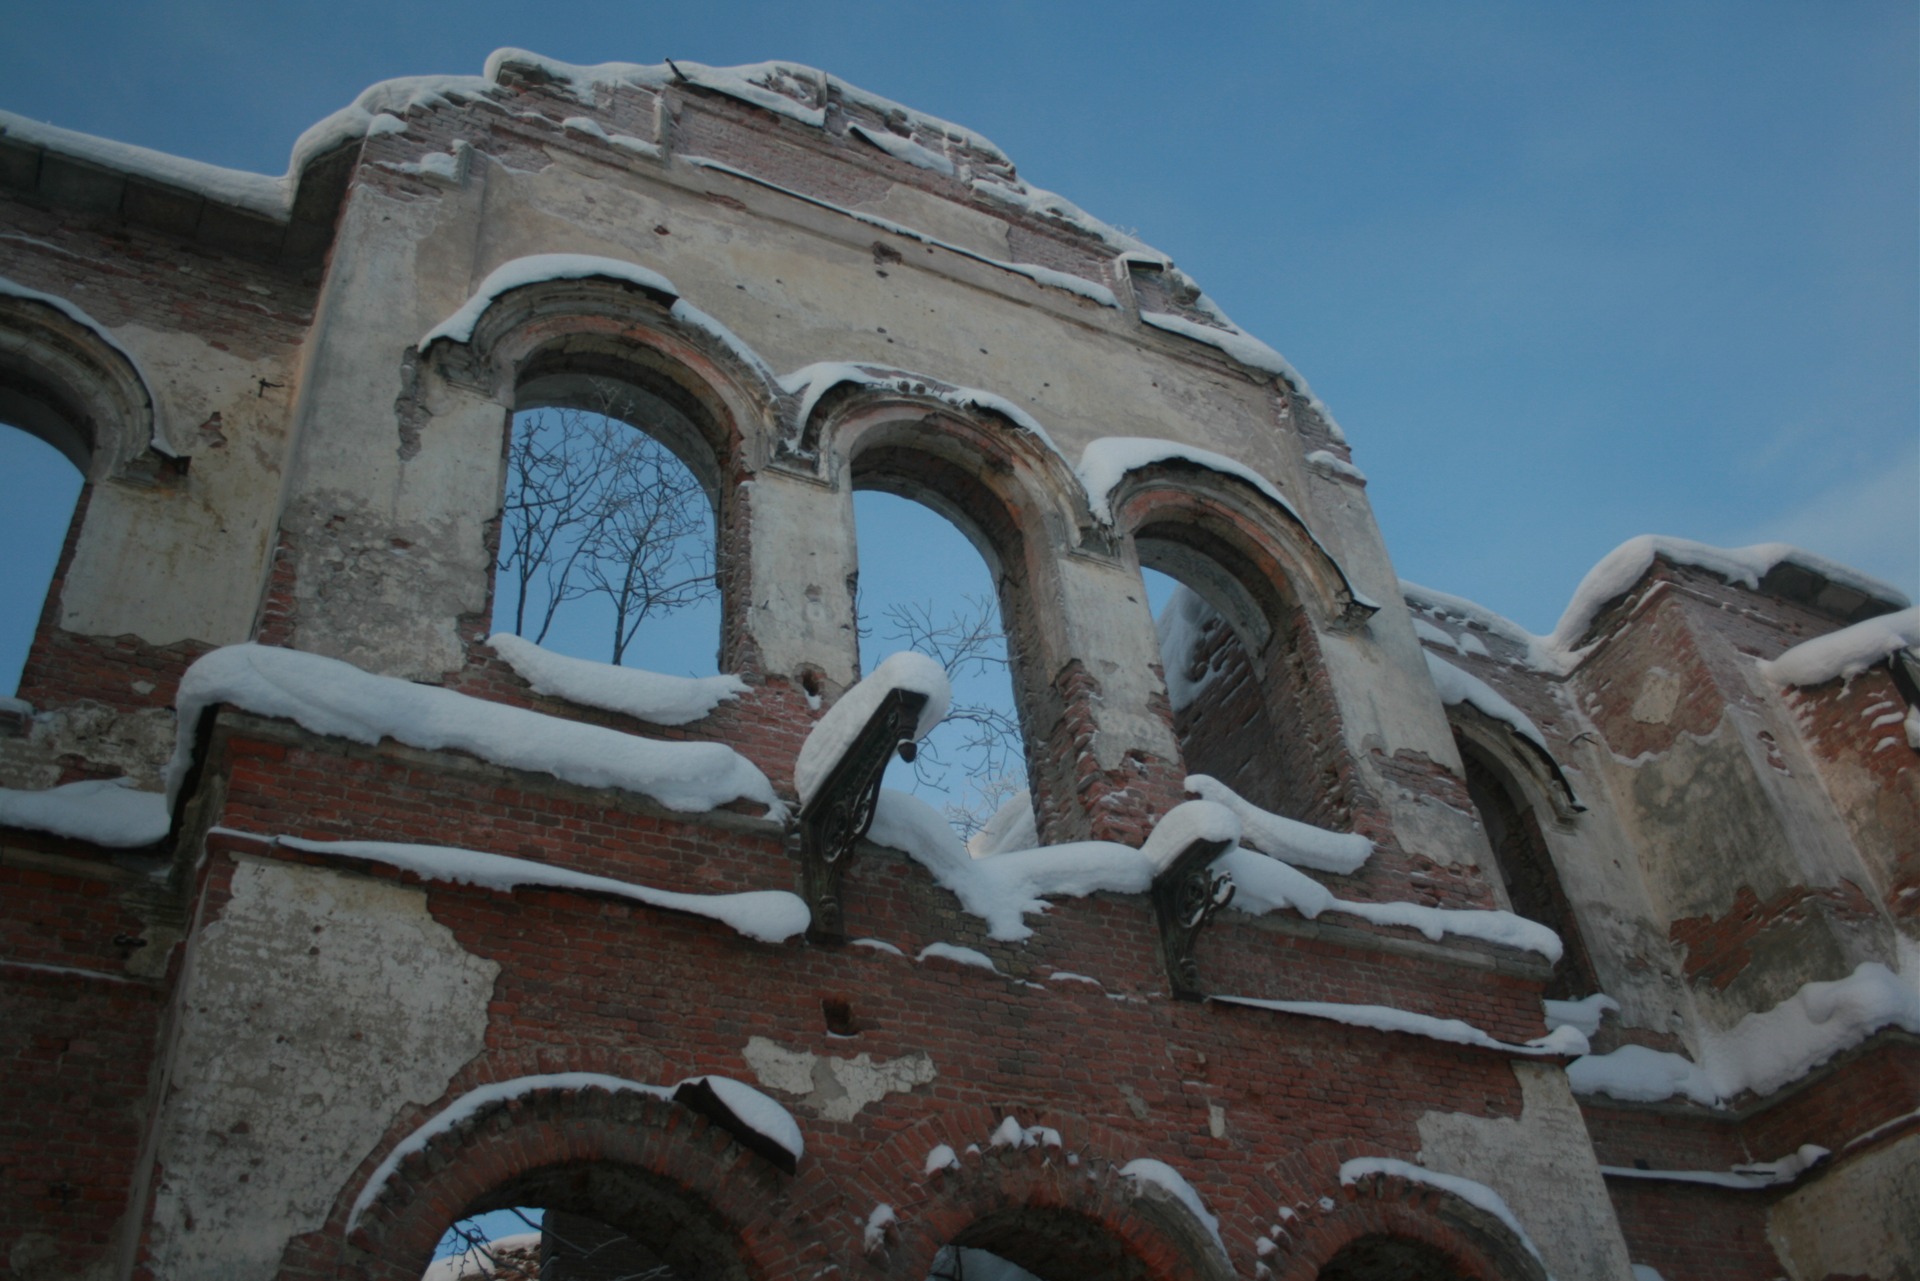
column 1187, row 895
column 841, row 811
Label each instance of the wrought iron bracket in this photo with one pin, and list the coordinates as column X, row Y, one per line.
column 1187, row 894
column 833, row 822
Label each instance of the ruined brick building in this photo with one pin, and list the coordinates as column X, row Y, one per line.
column 389, row 926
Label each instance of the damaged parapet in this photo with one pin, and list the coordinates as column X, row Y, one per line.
column 840, row 767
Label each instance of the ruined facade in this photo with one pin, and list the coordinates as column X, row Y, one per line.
column 383, row 932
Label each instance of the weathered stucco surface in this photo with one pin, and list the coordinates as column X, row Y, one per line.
column 1542, row 1165
column 1861, row 1220
column 838, row 1087
column 294, row 1055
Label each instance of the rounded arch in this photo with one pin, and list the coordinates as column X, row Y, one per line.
column 623, row 344
column 1049, row 1201
column 1513, row 784
column 1250, row 702
column 1387, row 1223
column 64, row 381
column 642, row 1164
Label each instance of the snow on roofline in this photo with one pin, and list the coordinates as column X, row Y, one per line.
column 1616, row 573
column 1844, row 654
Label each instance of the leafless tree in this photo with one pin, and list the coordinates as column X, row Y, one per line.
column 595, row 508
column 979, row 760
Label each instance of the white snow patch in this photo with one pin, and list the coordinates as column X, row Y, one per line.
column 833, row 734
column 1562, row 1041
column 534, row 269
column 958, row 955
column 940, row 1157
column 875, row 1234
column 649, row 696
column 1264, row 884
column 1332, row 464
column 1753, row 1176
column 771, row 916
column 904, row 149
column 1010, row 1134
column 1434, row 635
column 1300, row 844
column 1457, row 686
column 878, row 945
column 1584, row 1013
column 810, row 382
column 757, row 1112
column 1478, row 1195
column 12, row 289
column 1503, row 928
column 1766, row 1049
column 1844, row 654
column 330, row 697
column 443, row 166
column 1184, row 824
column 1105, row 462
column 1012, row 827
column 1181, row 629
column 101, row 811
column 1158, row 1174
column 1621, row 568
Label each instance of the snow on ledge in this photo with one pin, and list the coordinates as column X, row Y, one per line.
column 1299, row 844
column 105, row 812
column 753, row 1108
column 1764, row 1050
column 535, row 269
column 1559, row 1043
column 1624, row 566
column 1844, row 654
column 1478, row 1195
column 13, row 289
column 1457, row 686
column 811, row 382
column 1584, row 1013
column 770, row 916
column 327, row 696
column 1105, row 462
column 648, row 696
column 833, row 734
column 1149, row 1173
column 1184, row 824
column 1755, row 1176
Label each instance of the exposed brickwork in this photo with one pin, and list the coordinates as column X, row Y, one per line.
column 1716, row 950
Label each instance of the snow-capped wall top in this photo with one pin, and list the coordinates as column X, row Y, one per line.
column 1558, row 652
column 534, row 269
column 1844, row 654
column 834, row 734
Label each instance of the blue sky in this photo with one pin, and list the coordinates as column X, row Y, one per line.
column 1565, row 273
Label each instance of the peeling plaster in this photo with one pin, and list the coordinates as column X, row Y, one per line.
column 835, row 1087
column 294, row 1057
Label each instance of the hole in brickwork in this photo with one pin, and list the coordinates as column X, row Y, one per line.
column 839, row 1016
column 41, row 486
column 1386, row 1258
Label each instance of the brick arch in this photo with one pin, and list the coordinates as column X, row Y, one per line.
column 1013, row 497
column 64, row 381
column 1029, row 1204
column 637, row 1161
column 1392, row 1219
column 1268, row 724
column 632, row 351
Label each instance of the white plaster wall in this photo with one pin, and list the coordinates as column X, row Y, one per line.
column 1541, row 1163
column 1861, row 1219
column 316, row 1007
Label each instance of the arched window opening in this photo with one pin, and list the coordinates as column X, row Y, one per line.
column 43, row 479
column 924, row 585
column 1032, row 1244
column 607, row 543
column 1391, row 1258
column 1526, row 868
column 1231, row 647
column 588, row 1222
